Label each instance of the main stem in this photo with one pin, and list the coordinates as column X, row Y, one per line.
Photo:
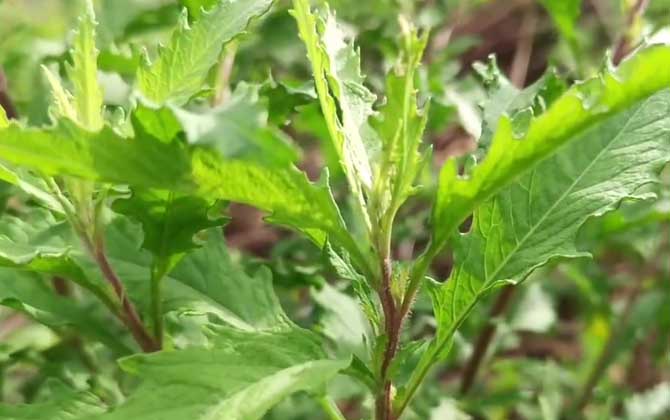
column 130, row 317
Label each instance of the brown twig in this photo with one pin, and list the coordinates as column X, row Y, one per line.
column 384, row 403
column 129, row 315
column 484, row 340
column 5, row 101
column 627, row 40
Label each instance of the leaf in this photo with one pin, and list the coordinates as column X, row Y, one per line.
column 345, row 102
column 579, row 109
column 537, row 218
column 239, row 129
column 181, row 67
column 64, row 403
column 31, row 294
column 565, row 14
column 84, row 73
column 401, row 126
column 207, row 280
column 67, row 149
column 241, row 394
column 255, row 356
column 31, row 185
column 169, row 221
column 285, row 192
column 4, row 122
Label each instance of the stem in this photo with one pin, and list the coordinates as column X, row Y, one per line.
column 331, row 409
column 157, row 276
column 485, row 338
column 223, row 74
column 130, row 316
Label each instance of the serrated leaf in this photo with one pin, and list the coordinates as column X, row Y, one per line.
column 169, row 221
column 64, row 403
column 67, row 149
column 537, row 218
column 181, row 67
column 401, row 125
column 83, row 73
column 31, row 185
column 346, row 103
column 285, row 192
column 238, row 129
column 255, row 356
column 208, row 280
column 579, row 109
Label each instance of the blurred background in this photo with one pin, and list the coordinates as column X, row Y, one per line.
column 591, row 334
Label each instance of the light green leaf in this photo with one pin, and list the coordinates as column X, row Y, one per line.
column 401, row 126
column 339, row 84
column 4, row 122
column 255, row 356
column 285, row 192
column 63, row 403
column 31, row 185
column 67, row 149
column 181, row 67
column 83, row 73
column 579, row 109
column 239, row 129
column 537, row 218
column 207, row 280
column 31, row 294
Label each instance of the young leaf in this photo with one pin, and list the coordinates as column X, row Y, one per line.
column 339, row 84
column 401, row 126
column 84, row 73
column 537, row 218
column 180, row 70
column 581, row 108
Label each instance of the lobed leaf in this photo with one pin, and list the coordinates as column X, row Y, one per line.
column 536, row 218
column 181, row 67
column 579, row 109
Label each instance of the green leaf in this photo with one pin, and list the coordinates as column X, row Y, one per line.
column 169, row 221
column 581, row 108
column 83, row 73
column 401, row 126
column 537, row 218
column 255, row 356
column 285, row 192
column 207, row 280
column 31, row 294
column 4, row 122
column 180, row 70
column 67, row 149
column 63, row 403
column 31, row 185
column 345, row 102
column 565, row 14
column 238, row 129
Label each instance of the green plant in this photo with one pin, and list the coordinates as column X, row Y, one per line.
column 158, row 170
